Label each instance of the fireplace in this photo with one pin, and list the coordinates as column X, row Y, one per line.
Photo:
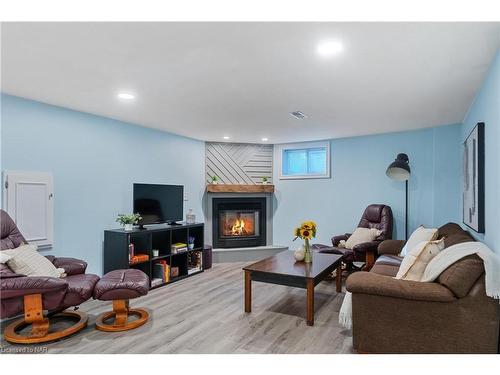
column 238, row 222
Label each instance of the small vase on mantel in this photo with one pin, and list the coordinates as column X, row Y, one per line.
column 307, row 252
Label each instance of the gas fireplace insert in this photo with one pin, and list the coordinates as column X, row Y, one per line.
column 239, row 222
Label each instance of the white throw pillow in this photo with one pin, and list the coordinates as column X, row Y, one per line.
column 4, row 258
column 414, row 263
column 26, row 260
column 420, row 234
column 362, row 235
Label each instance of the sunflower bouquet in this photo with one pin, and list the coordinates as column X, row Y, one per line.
column 306, row 231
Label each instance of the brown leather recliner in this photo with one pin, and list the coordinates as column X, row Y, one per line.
column 377, row 216
column 32, row 295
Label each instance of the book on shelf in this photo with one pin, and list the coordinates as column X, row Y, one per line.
column 167, row 273
column 161, row 270
column 193, row 270
column 174, row 271
column 158, row 271
column 178, row 247
column 138, row 258
column 130, row 252
column 156, row 282
column 179, row 251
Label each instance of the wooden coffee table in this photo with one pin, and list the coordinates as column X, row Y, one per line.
column 283, row 269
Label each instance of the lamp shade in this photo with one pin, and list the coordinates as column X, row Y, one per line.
column 399, row 169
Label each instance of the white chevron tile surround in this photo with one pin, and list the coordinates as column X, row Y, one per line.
column 238, row 163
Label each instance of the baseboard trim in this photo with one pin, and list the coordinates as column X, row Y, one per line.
column 245, row 254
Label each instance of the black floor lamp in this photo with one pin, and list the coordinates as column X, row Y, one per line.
column 399, row 170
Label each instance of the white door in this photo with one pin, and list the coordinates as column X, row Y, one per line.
column 28, row 198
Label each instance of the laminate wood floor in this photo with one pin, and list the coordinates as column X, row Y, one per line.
column 204, row 314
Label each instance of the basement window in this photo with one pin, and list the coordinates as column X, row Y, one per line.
column 304, row 160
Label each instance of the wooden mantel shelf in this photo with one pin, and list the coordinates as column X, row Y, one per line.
column 235, row 188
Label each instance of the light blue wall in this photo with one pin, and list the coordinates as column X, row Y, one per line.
column 486, row 108
column 447, row 183
column 358, row 168
column 94, row 161
column 93, row 175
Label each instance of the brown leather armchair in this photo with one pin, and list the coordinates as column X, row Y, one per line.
column 32, row 295
column 377, row 216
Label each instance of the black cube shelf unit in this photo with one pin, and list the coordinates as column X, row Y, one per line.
column 160, row 237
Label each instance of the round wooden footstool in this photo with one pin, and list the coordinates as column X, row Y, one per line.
column 120, row 286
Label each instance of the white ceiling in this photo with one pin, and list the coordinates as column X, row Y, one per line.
column 209, row 80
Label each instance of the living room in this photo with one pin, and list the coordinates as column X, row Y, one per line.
column 250, row 187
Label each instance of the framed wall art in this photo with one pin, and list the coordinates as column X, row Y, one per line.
column 473, row 190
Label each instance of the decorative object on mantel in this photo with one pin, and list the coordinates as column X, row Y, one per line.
column 239, row 188
column 128, row 221
column 306, row 231
column 265, row 180
column 215, row 179
column 473, row 193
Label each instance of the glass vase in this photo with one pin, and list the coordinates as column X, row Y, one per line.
column 190, row 217
column 307, row 252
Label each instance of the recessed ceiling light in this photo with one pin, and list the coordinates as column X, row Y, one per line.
column 226, row 137
column 329, row 48
column 265, row 139
column 298, row 115
column 125, row 96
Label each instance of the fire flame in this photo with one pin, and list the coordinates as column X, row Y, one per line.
column 238, row 227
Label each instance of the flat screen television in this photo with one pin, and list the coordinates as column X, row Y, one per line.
column 158, row 204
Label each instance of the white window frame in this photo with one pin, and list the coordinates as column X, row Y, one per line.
column 300, row 146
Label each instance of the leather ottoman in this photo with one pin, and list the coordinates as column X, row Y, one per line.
column 347, row 253
column 207, row 257
column 120, row 286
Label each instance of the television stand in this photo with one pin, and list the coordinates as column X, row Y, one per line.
column 156, row 243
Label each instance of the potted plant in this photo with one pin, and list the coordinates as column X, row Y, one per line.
column 190, row 243
column 265, row 180
column 128, row 220
column 215, row 179
column 306, row 231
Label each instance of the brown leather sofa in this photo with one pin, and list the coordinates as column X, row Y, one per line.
column 451, row 315
column 377, row 216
